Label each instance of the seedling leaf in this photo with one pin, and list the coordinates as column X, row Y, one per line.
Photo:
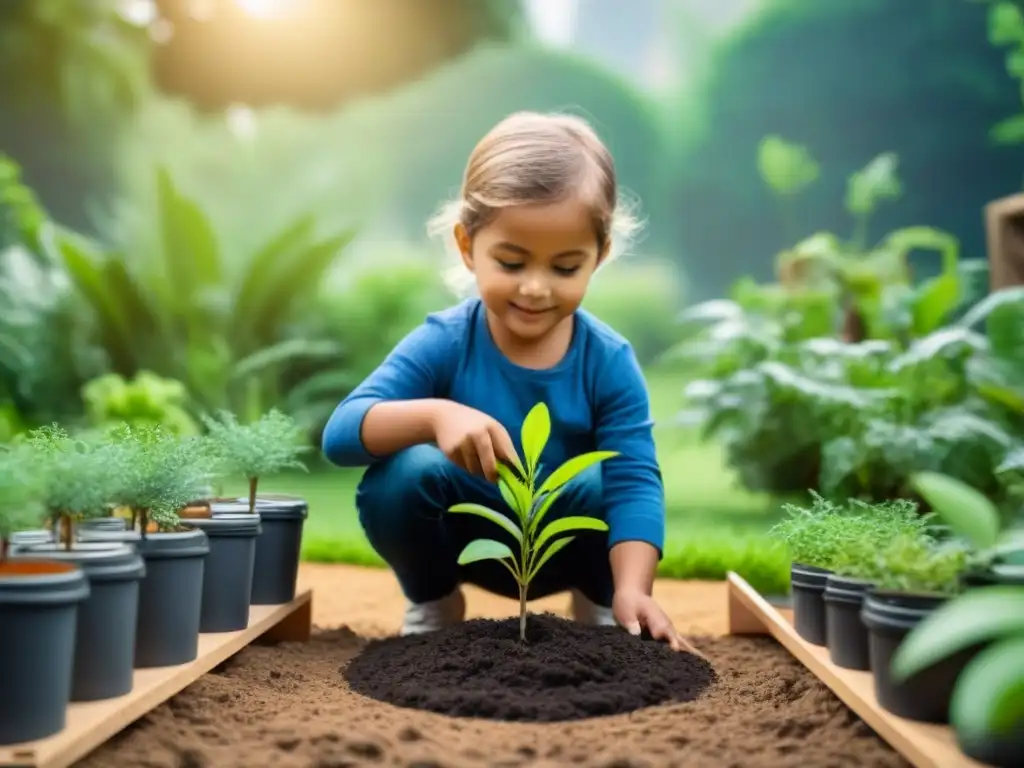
column 555, row 547
column 520, row 492
column 509, row 496
column 489, row 514
column 573, row 467
column 566, row 524
column 484, row 549
column 535, row 433
column 542, row 509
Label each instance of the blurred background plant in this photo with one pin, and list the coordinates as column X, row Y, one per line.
column 180, row 237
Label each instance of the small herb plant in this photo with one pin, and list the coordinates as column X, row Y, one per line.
column 912, row 564
column 158, row 473
column 269, row 445
column 827, row 535
column 78, row 476
column 21, row 495
column 530, row 505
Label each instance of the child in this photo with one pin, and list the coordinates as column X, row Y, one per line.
column 534, row 221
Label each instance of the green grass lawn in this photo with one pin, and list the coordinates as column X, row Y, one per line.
column 712, row 526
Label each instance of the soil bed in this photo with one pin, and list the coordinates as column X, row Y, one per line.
column 565, row 671
column 288, row 706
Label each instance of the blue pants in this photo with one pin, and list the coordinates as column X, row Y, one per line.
column 403, row 503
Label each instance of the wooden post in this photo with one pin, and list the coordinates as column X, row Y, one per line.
column 1004, row 233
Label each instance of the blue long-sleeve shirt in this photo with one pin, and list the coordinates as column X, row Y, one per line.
column 596, row 395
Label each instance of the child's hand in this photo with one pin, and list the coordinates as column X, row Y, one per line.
column 472, row 440
column 636, row 610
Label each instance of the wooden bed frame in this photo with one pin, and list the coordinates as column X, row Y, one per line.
column 924, row 745
column 90, row 724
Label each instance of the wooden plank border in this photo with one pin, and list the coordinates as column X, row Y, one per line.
column 90, row 724
column 924, row 745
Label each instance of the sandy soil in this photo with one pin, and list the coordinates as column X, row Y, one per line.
column 290, row 705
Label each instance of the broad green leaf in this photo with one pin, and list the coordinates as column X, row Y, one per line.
column 489, row 514
column 989, row 695
column 968, row 512
column 484, row 549
column 535, row 433
column 784, row 166
column 555, row 547
column 979, row 615
column 981, row 311
column 573, row 467
column 566, row 524
column 542, row 509
column 509, row 496
column 190, row 249
column 520, row 492
column 935, row 300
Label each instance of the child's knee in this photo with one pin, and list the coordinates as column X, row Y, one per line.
column 409, row 482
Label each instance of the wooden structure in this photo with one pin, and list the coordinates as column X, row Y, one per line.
column 1004, row 233
column 90, row 724
column 924, row 745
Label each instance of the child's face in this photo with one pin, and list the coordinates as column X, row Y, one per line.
column 533, row 264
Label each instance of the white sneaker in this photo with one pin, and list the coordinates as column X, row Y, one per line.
column 586, row 612
column 434, row 615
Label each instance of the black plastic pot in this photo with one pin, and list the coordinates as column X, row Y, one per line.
column 170, row 597
column 103, row 524
column 847, row 636
column 808, row 584
column 889, row 616
column 278, row 547
column 227, row 575
column 105, row 635
column 998, row 751
column 125, row 537
column 39, row 601
column 993, row 575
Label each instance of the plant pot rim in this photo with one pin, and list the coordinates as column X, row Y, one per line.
column 906, row 594
column 81, row 551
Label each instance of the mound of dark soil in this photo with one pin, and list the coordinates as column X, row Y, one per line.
column 565, row 671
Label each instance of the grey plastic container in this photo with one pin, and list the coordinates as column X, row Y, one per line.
column 105, row 635
column 170, row 597
column 126, row 536
column 278, row 547
column 21, row 539
column 103, row 524
column 38, row 613
column 227, row 575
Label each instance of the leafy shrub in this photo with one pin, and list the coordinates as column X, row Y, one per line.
column 847, row 106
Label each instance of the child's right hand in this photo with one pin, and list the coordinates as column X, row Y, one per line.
column 472, row 440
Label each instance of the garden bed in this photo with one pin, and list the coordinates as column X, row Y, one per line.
column 290, row 705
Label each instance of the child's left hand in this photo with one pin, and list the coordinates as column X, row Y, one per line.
column 635, row 610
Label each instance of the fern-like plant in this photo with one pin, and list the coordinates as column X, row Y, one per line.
column 159, row 473
column 21, row 495
column 78, row 476
column 266, row 446
column 530, row 504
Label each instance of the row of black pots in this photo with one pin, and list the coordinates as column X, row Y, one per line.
column 82, row 620
column 862, row 627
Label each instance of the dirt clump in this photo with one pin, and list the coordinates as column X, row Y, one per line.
column 290, row 706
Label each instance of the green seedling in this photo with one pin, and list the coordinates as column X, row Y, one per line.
column 21, row 495
column 270, row 444
column 536, row 544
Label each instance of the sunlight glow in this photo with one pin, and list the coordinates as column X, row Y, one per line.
column 267, row 9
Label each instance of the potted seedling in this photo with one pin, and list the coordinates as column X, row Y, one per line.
column 271, row 444
column 863, row 534
column 912, row 576
column 813, row 536
column 159, row 473
column 39, row 601
column 80, row 477
column 536, row 543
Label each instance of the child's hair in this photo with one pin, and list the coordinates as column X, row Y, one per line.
column 531, row 158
